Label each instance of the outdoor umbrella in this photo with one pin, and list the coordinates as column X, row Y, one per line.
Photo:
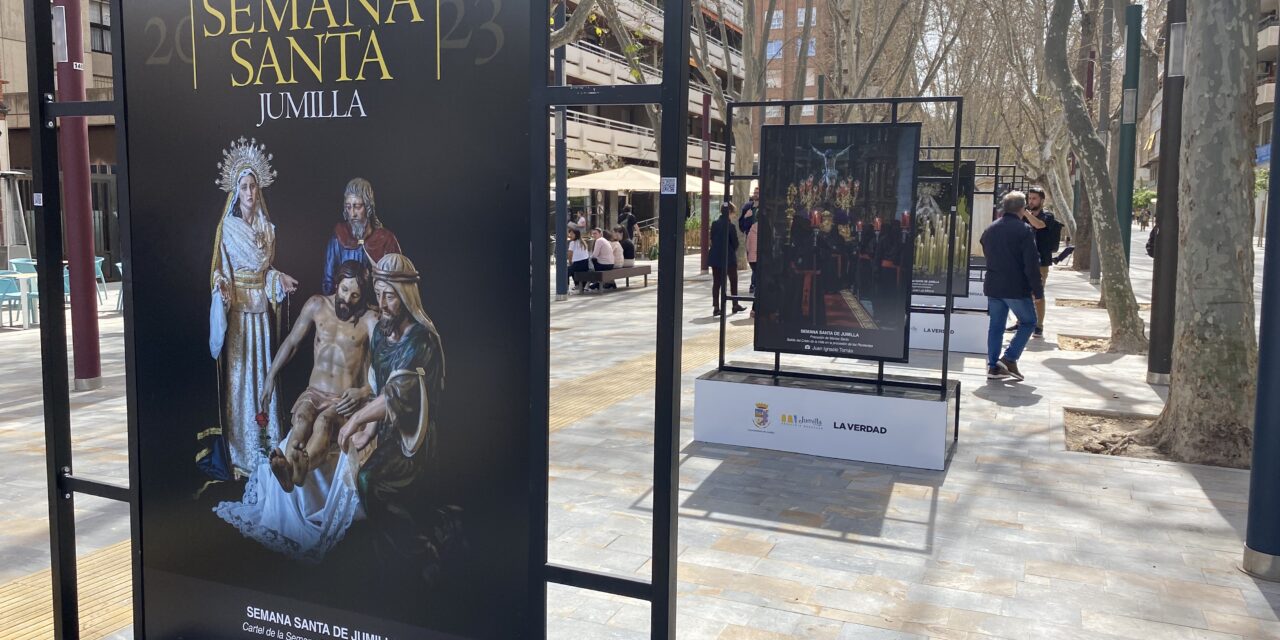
column 635, row 178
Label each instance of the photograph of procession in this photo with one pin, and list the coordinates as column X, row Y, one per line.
column 937, row 192
column 837, row 246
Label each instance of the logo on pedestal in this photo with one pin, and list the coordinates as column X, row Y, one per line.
column 762, row 415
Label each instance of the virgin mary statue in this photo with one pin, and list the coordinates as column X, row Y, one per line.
column 245, row 290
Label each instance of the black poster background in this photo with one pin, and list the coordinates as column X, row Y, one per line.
column 448, row 159
column 936, row 177
column 828, row 282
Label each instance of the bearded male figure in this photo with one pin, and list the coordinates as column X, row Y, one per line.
column 338, row 385
column 360, row 236
column 395, row 432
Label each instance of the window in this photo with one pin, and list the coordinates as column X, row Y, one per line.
column 810, row 77
column 807, row 110
column 813, row 47
column 772, row 113
column 777, row 21
column 99, row 26
column 813, row 17
column 774, row 49
column 773, row 79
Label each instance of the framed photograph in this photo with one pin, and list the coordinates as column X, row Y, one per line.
column 836, row 246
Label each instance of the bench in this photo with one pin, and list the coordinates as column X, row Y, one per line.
column 613, row 275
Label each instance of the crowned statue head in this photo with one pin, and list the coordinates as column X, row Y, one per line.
column 395, row 285
column 359, row 208
column 245, row 170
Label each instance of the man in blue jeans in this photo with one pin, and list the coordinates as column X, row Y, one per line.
column 1013, row 279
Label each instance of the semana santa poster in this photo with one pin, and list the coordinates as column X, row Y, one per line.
column 937, row 192
column 332, row 413
column 836, row 245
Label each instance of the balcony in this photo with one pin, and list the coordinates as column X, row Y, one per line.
column 732, row 9
column 1267, row 92
column 646, row 17
column 589, row 135
column 1268, row 41
column 596, row 65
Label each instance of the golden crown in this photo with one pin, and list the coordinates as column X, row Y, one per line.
column 245, row 155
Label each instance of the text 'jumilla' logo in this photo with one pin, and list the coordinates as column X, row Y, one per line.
column 800, row 421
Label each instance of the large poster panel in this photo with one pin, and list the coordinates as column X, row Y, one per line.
column 836, row 247
column 332, row 392
column 936, row 193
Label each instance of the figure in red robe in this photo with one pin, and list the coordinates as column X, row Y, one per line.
column 360, row 236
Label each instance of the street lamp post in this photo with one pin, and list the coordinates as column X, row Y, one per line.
column 562, row 176
column 1164, row 288
column 1262, row 538
column 1128, row 126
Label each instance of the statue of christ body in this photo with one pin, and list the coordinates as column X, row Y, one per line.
column 339, row 376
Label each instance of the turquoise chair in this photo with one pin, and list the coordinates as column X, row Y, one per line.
column 102, row 280
column 10, row 295
column 120, row 298
column 26, row 265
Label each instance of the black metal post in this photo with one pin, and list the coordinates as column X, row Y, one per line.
column 1164, row 289
column 47, row 198
column 562, row 175
column 995, row 190
column 540, row 319
column 1262, row 539
column 950, row 300
column 728, row 185
column 124, row 213
column 677, row 19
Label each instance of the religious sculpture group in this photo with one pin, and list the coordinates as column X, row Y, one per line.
column 358, row 443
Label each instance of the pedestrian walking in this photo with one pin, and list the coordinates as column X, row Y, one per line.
column 627, row 220
column 1013, row 281
column 723, row 256
column 1048, row 234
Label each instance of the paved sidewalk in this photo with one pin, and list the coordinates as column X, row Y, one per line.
column 1017, row 539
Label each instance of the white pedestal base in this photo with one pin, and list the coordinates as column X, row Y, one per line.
column 897, row 426
column 968, row 331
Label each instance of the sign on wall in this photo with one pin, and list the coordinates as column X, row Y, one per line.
column 332, row 417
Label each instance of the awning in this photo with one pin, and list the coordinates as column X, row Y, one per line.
column 635, row 178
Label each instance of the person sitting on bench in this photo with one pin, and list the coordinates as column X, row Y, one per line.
column 579, row 255
column 628, row 248
column 601, row 253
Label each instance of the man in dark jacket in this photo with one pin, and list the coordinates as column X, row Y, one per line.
column 1013, row 279
column 1048, row 238
column 627, row 220
column 723, row 257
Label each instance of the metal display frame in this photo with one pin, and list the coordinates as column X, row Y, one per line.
column 945, row 383
column 673, row 96
column 977, row 168
column 63, row 484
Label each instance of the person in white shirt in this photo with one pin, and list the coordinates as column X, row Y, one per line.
column 601, row 251
column 578, row 222
column 579, row 255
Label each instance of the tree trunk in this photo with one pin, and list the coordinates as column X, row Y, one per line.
column 1127, row 331
column 571, row 32
column 802, row 59
column 1083, row 236
column 1208, row 418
